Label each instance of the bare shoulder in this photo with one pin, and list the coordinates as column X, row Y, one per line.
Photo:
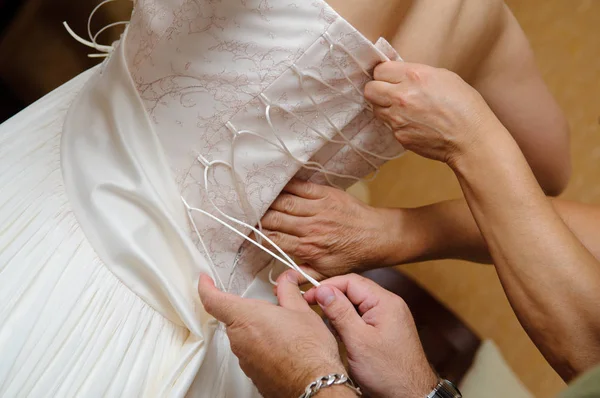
column 508, row 78
column 453, row 34
column 482, row 41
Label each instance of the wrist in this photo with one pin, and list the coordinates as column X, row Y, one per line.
column 408, row 235
column 318, row 371
column 390, row 237
column 424, row 386
column 494, row 147
column 331, row 384
column 419, row 385
column 340, row 391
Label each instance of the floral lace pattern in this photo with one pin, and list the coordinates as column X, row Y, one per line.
column 207, row 70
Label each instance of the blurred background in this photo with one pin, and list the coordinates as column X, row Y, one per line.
column 37, row 55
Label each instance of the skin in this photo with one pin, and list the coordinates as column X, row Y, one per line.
column 482, row 42
column 284, row 348
column 384, row 351
column 545, row 251
column 277, row 366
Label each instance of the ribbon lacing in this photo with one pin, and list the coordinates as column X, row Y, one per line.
column 280, row 144
column 278, row 254
column 103, row 50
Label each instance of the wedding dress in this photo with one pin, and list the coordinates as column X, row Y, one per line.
column 120, row 187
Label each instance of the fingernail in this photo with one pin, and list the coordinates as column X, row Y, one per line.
column 324, row 295
column 291, row 277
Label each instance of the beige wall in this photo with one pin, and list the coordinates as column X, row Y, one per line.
column 565, row 35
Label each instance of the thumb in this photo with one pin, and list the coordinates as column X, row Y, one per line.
column 339, row 310
column 223, row 306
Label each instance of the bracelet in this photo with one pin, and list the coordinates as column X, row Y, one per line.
column 327, row 381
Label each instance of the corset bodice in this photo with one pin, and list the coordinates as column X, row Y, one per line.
column 291, row 72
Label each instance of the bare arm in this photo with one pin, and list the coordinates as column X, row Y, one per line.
column 447, row 230
column 513, row 87
column 549, row 276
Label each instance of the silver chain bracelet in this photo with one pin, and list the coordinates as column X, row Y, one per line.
column 327, row 381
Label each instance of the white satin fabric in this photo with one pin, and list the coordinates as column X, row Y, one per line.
column 99, row 264
column 68, row 326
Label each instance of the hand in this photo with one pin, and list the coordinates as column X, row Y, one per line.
column 432, row 111
column 281, row 348
column 384, row 351
column 329, row 230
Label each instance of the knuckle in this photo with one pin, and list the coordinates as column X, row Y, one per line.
column 383, row 68
column 288, row 204
column 308, row 188
column 340, row 314
column 307, row 250
column 275, row 236
column 343, row 313
column 404, row 139
column 383, row 115
column 450, row 73
column 400, row 307
column 314, row 228
column 369, row 90
column 399, row 98
column 273, row 219
column 418, row 74
column 241, row 325
column 396, row 122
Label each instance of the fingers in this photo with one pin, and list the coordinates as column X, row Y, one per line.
column 389, row 78
column 295, row 205
column 362, row 292
column 379, row 93
column 339, row 310
column 310, row 271
column 393, row 119
column 288, row 292
column 275, row 220
column 305, row 189
column 392, row 72
column 224, row 307
column 287, row 243
column 396, row 72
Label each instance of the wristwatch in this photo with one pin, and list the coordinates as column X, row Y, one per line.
column 445, row 389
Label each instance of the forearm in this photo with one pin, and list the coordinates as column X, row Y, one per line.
column 447, row 230
column 538, row 246
column 444, row 230
column 550, row 278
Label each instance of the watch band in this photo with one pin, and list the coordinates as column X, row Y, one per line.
column 445, row 389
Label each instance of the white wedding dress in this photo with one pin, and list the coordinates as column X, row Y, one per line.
column 113, row 185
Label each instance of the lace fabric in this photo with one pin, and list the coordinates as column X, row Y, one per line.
column 208, row 70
